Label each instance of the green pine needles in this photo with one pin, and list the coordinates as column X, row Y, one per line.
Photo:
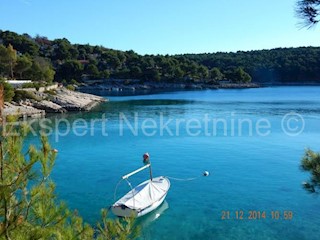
column 311, row 163
column 29, row 208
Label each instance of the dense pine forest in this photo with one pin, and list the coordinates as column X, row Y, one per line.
column 41, row 59
column 277, row 65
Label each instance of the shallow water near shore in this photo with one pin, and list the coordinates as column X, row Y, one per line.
column 244, row 138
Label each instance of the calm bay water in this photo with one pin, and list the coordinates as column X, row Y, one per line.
column 244, row 138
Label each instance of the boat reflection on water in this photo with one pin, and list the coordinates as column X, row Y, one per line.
column 154, row 215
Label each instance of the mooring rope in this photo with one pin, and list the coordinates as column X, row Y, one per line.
column 183, row 179
column 116, row 189
column 205, row 174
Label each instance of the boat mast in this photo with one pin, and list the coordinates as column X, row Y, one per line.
column 150, row 170
column 146, row 160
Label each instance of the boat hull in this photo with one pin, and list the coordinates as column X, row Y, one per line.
column 124, row 211
column 128, row 212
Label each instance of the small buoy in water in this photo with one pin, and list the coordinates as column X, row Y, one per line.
column 206, row 173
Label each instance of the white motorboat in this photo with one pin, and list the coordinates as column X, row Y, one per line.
column 144, row 198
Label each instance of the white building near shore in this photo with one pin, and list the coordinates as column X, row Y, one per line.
column 18, row 83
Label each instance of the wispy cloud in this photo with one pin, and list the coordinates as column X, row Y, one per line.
column 26, row 2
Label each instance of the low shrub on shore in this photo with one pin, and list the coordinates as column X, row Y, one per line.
column 21, row 95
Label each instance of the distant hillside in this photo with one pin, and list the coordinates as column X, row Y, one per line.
column 276, row 65
column 41, row 59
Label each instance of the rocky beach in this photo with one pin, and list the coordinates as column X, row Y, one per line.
column 58, row 100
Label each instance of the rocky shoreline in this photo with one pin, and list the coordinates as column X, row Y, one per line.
column 59, row 100
column 122, row 86
column 62, row 100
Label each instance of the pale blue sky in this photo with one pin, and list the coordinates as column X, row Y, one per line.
column 162, row 26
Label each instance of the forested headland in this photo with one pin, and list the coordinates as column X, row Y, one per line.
column 40, row 59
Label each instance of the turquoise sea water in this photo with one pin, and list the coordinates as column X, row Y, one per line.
column 250, row 146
